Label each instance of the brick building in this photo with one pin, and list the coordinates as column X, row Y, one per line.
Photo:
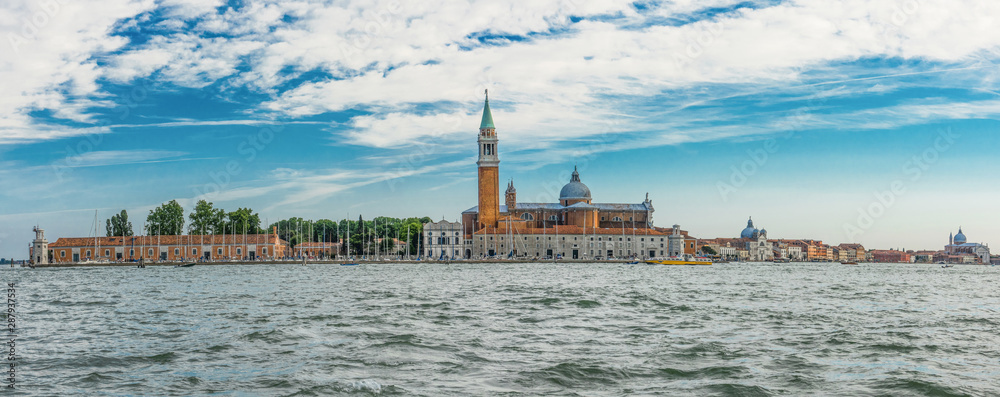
column 168, row 248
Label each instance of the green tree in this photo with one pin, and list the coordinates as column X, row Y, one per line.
column 243, row 220
column 411, row 234
column 708, row 250
column 206, row 218
column 166, row 220
column 119, row 225
column 325, row 230
column 288, row 230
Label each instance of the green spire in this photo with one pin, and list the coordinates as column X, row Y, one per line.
column 487, row 116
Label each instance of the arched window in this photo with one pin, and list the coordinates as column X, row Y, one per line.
column 553, row 218
column 616, row 219
column 526, row 216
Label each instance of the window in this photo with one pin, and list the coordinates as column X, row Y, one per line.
column 526, row 216
column 149, row 252
column 62, row 254
column 131, row 253
column 107, row 252
column 553, row 218
column 430, row 233
column 88, row 253
column 616, row 219
column 220, row 251
column 177, row 251
column 264, row 250
column 194, row 251
column 602, row 218
column 239, row 251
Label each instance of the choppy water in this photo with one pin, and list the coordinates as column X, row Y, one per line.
column 513, row 329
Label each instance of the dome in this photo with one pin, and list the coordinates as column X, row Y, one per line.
column 575, row 189
column 960, row 237
column 749, row 232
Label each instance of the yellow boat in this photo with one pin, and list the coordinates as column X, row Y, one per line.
column 681, row 261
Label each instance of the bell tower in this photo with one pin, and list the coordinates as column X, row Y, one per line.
column 489, row 170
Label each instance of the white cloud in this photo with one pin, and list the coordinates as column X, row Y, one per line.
column 560, row 81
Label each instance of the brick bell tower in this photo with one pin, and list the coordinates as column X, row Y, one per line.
column 489, row 170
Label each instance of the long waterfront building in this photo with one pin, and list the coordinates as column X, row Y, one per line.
column 165, row 248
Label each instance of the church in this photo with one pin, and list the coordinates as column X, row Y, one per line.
column 575, row 227
column 959, row 250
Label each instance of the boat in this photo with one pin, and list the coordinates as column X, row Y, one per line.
column 848, row 263
column 185, row 265
column 348, row 264
column 632, row 263
column 681, row 261
column 947, row 266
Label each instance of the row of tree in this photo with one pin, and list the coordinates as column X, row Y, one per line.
column 364, row 234
column 168, row 220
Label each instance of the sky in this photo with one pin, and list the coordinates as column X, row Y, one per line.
column 870, row 121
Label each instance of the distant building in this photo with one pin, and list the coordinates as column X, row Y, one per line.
column 958, row 246
column 752, row 245
column 169, row 248
column 574, row 227
column 851, row 252
column 444, row 241
column 39, row 251
column 322, row 250
column 891, row 256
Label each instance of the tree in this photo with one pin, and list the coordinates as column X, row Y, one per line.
column 288, row 230
column 243, row 220
column 166, row 220
column 119, row 225
column 325, row 230
column 708, row 250
column 206, row 218
column 411, row 233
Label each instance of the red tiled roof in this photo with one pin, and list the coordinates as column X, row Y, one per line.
column 66, row 242
column 571, row 229
column 317, row 245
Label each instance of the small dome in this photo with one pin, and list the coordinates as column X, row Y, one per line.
column 960, row 237
column 749, row 231
column 575, row 189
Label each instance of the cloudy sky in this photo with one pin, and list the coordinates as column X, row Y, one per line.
column 860, row 120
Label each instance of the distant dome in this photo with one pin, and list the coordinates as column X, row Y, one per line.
column 750, row 231
column 960, row 237
column 574, row 189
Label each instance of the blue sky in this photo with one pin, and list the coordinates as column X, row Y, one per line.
column 805, row 115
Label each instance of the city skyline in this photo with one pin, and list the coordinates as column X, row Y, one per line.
column 809, row 125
